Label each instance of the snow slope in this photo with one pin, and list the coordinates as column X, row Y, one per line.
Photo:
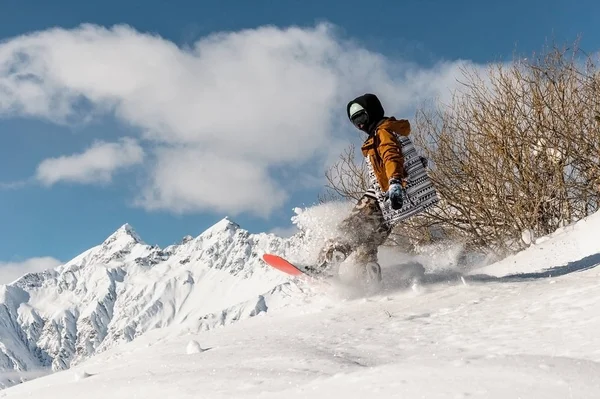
column 525, row 327
column 122, row 288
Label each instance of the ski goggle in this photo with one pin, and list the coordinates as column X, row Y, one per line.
column 360, row 119
column 358, row 115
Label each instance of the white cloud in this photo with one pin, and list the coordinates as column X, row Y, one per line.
column 95, row 165
column 10, row 271
column 186, row 179
column 249, row 101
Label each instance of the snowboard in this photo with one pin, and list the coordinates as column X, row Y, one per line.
column 285, row 266
column 356, row 287
column 348, row 288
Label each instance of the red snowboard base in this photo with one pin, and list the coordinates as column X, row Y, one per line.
column 283, row 265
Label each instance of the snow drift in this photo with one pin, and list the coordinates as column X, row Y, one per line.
column 122, row 288
column 522, row 327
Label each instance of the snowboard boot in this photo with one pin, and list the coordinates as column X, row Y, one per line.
column 372, row 281
column 373, row 273
column 332, row 254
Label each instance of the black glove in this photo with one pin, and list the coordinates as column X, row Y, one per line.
column 396, row 194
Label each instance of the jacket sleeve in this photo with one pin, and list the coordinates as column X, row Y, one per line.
column 390, row 151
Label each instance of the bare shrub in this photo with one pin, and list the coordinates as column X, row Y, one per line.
column 517, row 150
column 348, row 178
column 514, row 155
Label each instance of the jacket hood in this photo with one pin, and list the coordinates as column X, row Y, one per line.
column 372, row 105
column 398, row 126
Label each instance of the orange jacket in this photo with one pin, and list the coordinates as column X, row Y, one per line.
column 385, row 152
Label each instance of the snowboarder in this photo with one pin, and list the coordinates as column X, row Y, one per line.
column 366, row 228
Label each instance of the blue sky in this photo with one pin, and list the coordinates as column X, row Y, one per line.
column 104, row 125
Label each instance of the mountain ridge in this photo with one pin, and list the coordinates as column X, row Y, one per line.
column 123, row 287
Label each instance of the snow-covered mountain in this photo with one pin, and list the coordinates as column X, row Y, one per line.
column 524, row 327
column 122, row 288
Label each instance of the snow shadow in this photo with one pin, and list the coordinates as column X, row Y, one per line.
column 589, row 262
column 404, row 275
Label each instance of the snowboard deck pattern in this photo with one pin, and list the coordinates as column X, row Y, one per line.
column 420, row 192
